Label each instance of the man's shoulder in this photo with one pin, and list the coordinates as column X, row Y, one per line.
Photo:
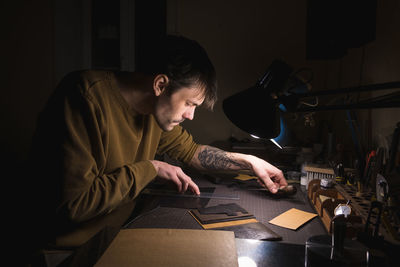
column 88, row 78
column 87, row 82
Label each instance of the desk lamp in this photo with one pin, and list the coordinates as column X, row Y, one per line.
column 257, row 109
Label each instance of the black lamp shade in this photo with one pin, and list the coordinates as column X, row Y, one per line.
column 253, row 111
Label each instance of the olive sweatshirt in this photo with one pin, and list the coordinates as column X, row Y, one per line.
column 91, row 158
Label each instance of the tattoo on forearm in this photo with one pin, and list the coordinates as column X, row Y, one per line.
column 217, row 159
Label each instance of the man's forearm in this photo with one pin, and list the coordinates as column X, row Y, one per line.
column 212, row 158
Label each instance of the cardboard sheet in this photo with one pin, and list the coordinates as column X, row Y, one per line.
column 170, row 247
column 292, row 218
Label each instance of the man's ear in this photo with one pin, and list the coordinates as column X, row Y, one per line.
column 160, row 83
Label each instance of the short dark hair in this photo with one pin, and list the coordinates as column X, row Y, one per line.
column 185, row 63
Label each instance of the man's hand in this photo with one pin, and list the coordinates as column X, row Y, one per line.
column 268, row 175
column 176, row 175
column 211, row 158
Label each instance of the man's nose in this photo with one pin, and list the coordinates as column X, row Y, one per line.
column 189, row 114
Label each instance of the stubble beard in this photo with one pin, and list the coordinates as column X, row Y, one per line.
column 166, row 125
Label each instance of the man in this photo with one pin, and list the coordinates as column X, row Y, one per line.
column 97, row 137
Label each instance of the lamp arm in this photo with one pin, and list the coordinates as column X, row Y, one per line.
column 350, row 106
column 363, row 88
column 386, row 101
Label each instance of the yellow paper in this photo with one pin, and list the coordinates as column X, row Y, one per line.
column 245, row 177
column 323, row 198
column 292, row 218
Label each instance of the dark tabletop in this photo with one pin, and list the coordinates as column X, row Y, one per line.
column 154, row 211
column 172, row 212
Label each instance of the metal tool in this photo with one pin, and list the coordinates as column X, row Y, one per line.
column 374, row 205
column 356, row 135
column 335, row 250
column 369, row 164
column 339, row 171
column 376, row 167
column 343, row 209
column 382, row 188
column 173, row 193
column 393, row 148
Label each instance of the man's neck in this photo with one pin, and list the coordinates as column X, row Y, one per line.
column 136, row 89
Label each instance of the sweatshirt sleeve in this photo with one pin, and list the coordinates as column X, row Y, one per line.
column 178, row 144
column 78, row 156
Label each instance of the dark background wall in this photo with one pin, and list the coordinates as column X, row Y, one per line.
column 243, row 39
column 27, row 73
column 42, row 40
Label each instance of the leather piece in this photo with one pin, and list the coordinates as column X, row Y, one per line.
column 257, row 231
column 231, row 209
column 220, row 217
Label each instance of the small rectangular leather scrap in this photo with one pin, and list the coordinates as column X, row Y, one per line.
column 220, row 213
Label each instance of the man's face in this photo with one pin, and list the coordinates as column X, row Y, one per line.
column 171, row 110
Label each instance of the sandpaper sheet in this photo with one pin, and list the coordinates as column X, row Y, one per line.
column 170, row 247
column 292, row 218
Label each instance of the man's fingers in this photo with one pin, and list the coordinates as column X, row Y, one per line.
column 177, row 176
column 187, row 182
column 269, row 184
column 185, row 185
column 178, row 184
column 281, row 179
column 184, row 179
column 272, row 187
column 194, row 188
